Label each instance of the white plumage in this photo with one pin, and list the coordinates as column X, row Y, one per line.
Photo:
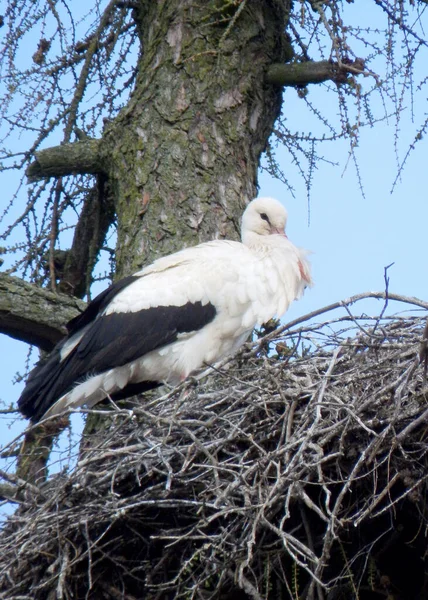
column 182, row 312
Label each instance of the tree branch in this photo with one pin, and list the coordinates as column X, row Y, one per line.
column 14, row 491
column 34, row 315
column 303, row 73
column 67, row 159
column 96, row 216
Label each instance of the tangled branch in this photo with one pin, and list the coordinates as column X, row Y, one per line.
column 299, row 471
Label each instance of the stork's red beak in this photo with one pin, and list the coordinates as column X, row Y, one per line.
column 278, row 231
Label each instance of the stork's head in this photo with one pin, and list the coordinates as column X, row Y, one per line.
column 263, row 216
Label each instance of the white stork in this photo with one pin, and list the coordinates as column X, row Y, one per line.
column 182, row 312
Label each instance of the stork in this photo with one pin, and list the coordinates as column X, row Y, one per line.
column 184, row 311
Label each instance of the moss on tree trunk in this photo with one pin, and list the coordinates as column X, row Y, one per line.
column 183, row 155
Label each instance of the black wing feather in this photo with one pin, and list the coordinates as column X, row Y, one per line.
column 119, row 338
column 98, row 304
column 111, row 341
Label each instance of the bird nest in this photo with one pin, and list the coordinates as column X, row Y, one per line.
column 298, row 470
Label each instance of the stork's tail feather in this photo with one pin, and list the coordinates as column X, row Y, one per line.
column 39, row 393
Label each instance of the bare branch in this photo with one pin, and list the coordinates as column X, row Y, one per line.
column 14, row 491
column 304, row 73
column 97, row 214
column 68, row 159
column 32, row 314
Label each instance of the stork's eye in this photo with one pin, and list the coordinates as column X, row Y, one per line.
column 264, row 217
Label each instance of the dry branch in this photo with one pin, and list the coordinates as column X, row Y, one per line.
column 67, row 159
column 304, row 73
column 301, row 475
column 32, row 314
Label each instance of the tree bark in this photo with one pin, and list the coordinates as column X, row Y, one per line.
column 95, row 218
column 67, row 159
column 34, row 315
column 182, row 156
column 304, row 73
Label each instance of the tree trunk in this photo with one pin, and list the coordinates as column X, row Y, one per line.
column 182, row 156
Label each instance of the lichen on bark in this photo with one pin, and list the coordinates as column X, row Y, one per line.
column 32, row 314
column 182, row 156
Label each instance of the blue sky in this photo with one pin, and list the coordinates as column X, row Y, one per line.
column 352, row 237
